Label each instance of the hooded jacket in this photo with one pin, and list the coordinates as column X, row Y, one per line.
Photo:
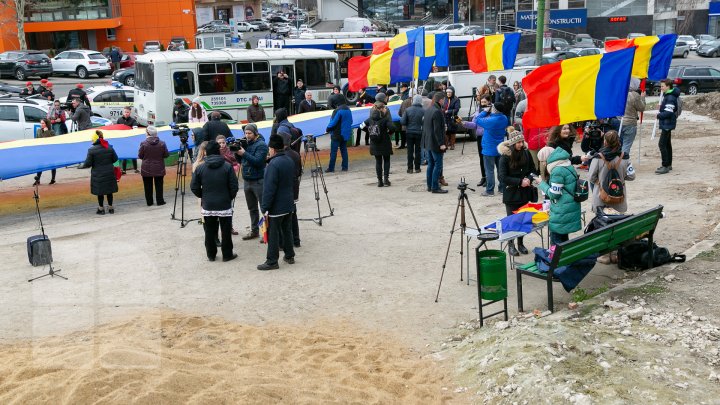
column 598, row 173
column 181, row 114
column 635, row 104
column 514, row 194
column 412, row 117
column 216, row 127
column 255, row 113
column 215, row 183
column 493, row 131
column 254, row 159
column 280, row 176
column 381, row 145
column 340, row 124
column 564, row 210
column 668, row 108
column 153, row 151
column 102, row 173
column 82, row 117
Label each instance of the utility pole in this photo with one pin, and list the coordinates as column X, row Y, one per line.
column 539, row 32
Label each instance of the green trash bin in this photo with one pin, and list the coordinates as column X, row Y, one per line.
column 492, row 274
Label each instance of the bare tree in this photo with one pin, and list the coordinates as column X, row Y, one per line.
column 18, row 8
column 687, row 9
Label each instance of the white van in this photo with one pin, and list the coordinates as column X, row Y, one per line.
column 465, row 81
column 356, row 24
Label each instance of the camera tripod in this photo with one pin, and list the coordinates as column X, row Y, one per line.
column 462, row 200
column 180, row 179
column 316, row 173
column 51, row 272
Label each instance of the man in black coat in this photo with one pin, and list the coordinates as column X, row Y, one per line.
column 81, row 116
column 215, row 127
column 412, row 122
column 281, row 91
column 433, row 140
column 180, row 112
column 217, row 185
column 307, row 105
column 278, row 204
column 78, row 93
column 296, row 191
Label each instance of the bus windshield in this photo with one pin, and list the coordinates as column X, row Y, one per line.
column 145, row 76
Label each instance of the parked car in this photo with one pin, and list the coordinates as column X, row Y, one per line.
column 263, row 25
column 108, row 101
column 701, row 39
column 23, row 64
column 127, row 60
column 586, row 51
column 214, row 26
column 278, row 19
column 562, row 55
column 583, row 41
column 559, row 44
column 213, row 23
column 709, row 48
column 453, row 29
column 610, row 39
column 151, row 46
column 633, row 35
column 530, row 61
column 476, row 30
column 691, row 79
column 20, row 118
column 244, row 26
column 125, row 76
column 692, row 43
column 6, row 89
column 178, row 43
column 81, row 62
column 681, row 49
column 281, row 28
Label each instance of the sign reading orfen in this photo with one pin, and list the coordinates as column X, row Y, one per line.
column 571, row 18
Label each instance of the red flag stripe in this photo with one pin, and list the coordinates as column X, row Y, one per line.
column 618, row 44
column 476, row 55
column 542, row 95
column 380, row 47
column 358, row 67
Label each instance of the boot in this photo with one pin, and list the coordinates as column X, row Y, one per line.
column 387, row 182
column 442, row 181
column 483, row 182
column 452, row 141
column 511, row 249
column 521, row 247
column 380, row 182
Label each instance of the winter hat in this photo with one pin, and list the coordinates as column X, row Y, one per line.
column 43, row 81
column 381, row 97
column 79, row 85
column 178, row 101
column 514, row 137
column 498, row 107
column 196, row 100
column 28, row 84
column 48, row 84
column 97, row 137
column 212, row 148
column 276, row 142
column 251, row 127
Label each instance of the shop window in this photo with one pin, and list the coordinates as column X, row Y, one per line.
column 111, row 34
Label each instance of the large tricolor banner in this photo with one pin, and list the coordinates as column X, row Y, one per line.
column 653, row 54
column 493, row 52
column 578, row 89
column 29, row 156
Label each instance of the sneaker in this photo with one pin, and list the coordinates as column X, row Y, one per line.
column 137, row 171
column 251, row 235
column 289, row 260
column 265, row 266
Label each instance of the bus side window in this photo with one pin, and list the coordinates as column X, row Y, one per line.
column 216, row 78
column 184, row 83
column 253, row 76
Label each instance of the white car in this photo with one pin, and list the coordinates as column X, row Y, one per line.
column 108, row 101
column 244, row 26
column 689, row 40
column 20, row 118
column 453, row 29
column 81, row 62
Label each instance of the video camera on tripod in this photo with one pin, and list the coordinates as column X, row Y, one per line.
column 180, row 130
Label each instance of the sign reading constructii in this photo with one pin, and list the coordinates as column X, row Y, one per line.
column 571, row 18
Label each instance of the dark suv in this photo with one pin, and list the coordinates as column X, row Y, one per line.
column 23, row 64
column 691, row 79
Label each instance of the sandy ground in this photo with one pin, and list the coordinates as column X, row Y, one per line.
column 370, row 273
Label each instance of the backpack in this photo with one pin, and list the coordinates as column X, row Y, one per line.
column 612, row 189
column 634, row 256
column 374, row 130
column 507, row 98
column 678, row 110
column 580, row 193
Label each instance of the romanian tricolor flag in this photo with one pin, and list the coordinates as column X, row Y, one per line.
column 493, row 52
column 653, row 54
column 263, row 227
column 396, row 63
column 435, row 52
column 578, row 89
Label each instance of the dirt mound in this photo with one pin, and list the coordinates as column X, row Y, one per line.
column 707, row 104
column 171, row 358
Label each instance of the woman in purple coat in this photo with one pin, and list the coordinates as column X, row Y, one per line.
column 153, row 152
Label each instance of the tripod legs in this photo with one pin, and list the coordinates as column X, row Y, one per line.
column 52, row 273
column 318, row 178
column 180, row 180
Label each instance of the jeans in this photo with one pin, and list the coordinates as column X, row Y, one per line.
column 253, row 198
column 279, row 228
column 413, row 151
column 210, row 225
column 382, row 166
column 492, row 162
column 665, row 145
column 434, row 169
column 148, row 185
column 334, row 145
column 423, row 154
column 480, row 154
column 627, row 137
column 59, row 128
column 556, row 238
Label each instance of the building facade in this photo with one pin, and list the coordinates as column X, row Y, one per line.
column 96, row 24
column 208, row 10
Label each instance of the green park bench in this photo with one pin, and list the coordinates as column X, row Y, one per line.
column 600, row 241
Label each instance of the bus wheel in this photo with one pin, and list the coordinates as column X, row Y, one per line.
column 351, row 96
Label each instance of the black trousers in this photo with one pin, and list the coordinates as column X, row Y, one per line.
column 295, row 227
column 53, row 172
column 211, row 225
column 413, row 151
column 148, row 184
column 382, row 166
column 101, row 200
column 482, row 159
column 279, row 231
column 665, row 145
column 124, row 164
column 358, row 135
column 402, row 135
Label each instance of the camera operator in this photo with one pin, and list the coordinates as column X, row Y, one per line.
column 81, row 116
column 252, row 157
column 180, row 112
column 216, row 127
column 277, row 204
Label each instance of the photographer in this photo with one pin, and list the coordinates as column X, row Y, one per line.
column 180, row 112
column 252, row 157
column 516, row 171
